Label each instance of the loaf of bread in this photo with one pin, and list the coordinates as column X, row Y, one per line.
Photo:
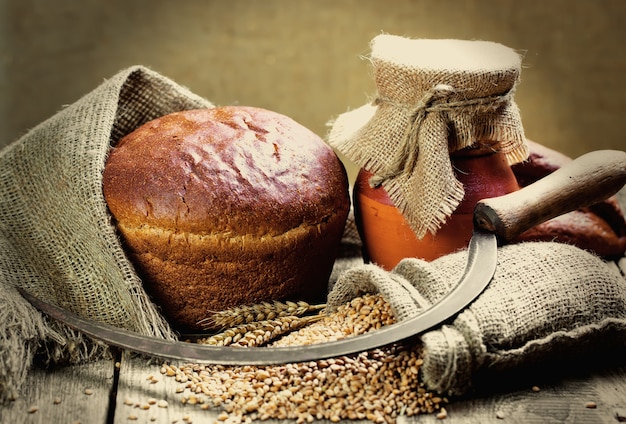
column 227, row 206
column 599, row 228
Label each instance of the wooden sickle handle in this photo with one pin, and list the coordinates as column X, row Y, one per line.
column 586, row 180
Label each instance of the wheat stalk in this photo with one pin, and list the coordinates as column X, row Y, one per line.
column 259, row 333
column 264, row 311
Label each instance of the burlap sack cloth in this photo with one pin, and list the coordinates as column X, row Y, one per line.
column 546, row 299
column 434, row 98
column 56, row 237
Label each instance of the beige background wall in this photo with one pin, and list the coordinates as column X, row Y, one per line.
column 302, row 58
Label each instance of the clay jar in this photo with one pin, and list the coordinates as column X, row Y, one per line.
column 387, row 237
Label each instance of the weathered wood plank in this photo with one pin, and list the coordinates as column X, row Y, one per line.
column 553, row 400
column 68, row 394
column 142, row 391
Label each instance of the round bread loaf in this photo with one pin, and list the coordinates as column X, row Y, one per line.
column 227, row 206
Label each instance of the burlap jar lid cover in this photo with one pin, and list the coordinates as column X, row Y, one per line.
column 434, row 97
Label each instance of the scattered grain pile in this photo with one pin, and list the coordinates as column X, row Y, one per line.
column 377, row 385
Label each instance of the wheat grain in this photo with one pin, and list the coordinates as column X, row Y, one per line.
column 377, row 385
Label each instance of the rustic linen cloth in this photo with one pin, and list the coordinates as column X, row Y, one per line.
column 545, row 298
column 56, row 237
column 434, row 97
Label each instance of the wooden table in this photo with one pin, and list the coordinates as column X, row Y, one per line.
column 132, row 390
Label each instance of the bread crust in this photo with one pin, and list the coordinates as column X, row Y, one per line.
column 219, row 207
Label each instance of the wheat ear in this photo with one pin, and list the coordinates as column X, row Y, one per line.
column 264, row 311
column 260, row 332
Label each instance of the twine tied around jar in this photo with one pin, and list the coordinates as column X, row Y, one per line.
column 434, row 97
column 434, row 101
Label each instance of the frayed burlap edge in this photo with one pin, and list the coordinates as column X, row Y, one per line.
column 419, row 116
column 142, row 95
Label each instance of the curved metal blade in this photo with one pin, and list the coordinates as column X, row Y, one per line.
column 475, row 279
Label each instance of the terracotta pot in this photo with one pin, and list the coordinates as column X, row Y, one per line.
column 387, row 237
